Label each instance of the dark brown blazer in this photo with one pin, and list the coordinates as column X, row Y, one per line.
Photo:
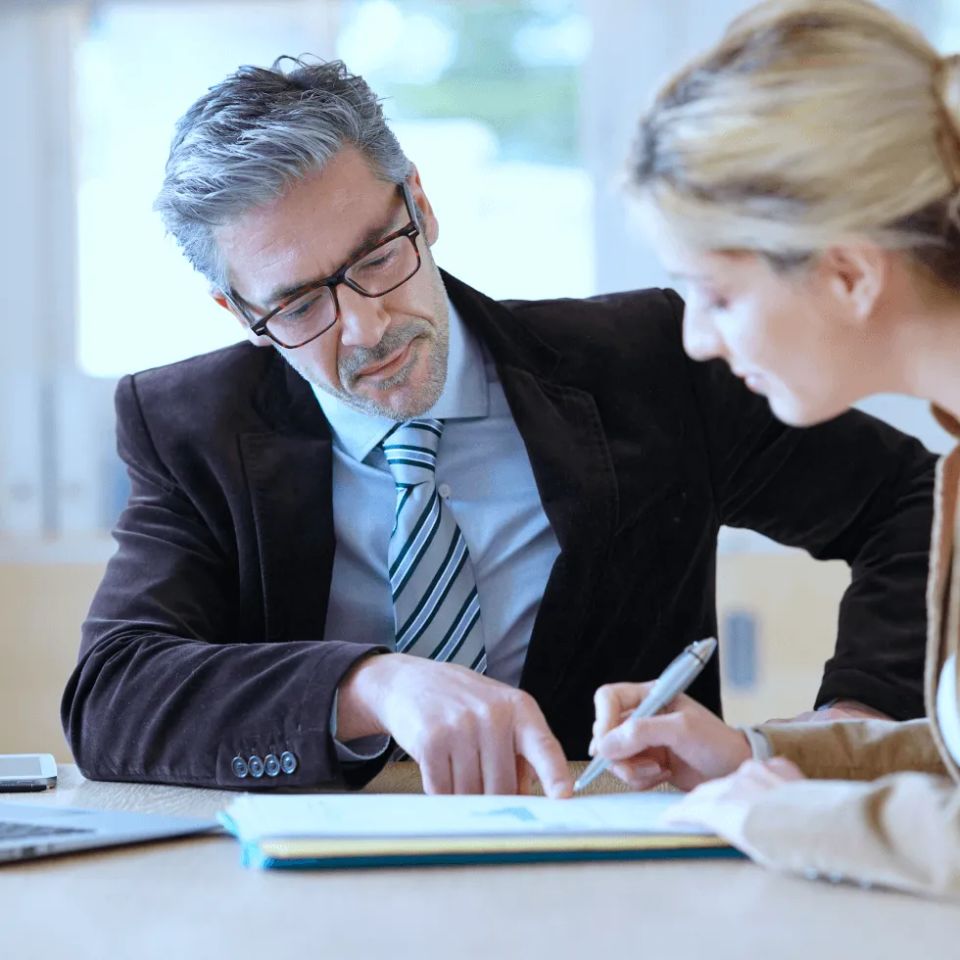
column 205, row 641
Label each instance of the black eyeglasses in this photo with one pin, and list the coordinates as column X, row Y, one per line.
column 311, row 311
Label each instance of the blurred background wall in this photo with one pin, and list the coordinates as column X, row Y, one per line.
column 519, row 114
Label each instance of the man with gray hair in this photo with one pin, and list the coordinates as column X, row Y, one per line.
column 424, row 520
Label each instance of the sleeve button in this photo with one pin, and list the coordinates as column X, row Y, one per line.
column 288, row 762
column 256, row 767
column 239, row 767
column 271, row 765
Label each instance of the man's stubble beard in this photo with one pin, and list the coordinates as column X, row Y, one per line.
column 435, row 338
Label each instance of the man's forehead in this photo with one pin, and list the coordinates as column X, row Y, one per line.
column 319, row 223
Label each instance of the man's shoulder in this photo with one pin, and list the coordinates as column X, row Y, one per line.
column 657, row 300
column 626, row 317
column 239, row 359
column 606, row 323
column 608, row 338
column 208, row 386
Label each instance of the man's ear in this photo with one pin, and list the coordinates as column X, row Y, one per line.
column 856, row 274
column 428, row 220
column 257, row 341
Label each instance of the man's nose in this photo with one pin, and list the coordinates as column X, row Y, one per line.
column 363, row 320
column 700, row 337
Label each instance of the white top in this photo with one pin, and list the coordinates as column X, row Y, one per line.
column 948, row 710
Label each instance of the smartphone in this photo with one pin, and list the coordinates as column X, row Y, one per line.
column 27, row 772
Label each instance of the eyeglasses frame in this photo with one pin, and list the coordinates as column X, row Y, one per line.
column 260, row 327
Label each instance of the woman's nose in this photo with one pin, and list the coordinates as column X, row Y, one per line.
column 700, row 337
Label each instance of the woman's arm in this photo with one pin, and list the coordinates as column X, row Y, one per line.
column 901, row 831
column 856, row 749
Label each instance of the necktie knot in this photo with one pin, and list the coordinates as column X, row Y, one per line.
column 411, row 450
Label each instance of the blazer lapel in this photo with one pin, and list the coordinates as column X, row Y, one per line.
column 561, row 429
column 571, row 464
column 288, row 467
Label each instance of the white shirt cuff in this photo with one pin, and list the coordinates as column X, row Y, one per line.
column 760, row 746
column 363, row 748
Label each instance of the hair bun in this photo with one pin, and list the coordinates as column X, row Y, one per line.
column 947, row 84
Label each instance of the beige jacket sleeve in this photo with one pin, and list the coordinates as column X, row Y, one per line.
column 902, row 831
column 856, row 749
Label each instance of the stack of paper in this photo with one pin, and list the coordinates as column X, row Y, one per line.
column 363, row 830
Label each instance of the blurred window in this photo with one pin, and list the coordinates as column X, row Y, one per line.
column 483, row 97
column 949, row 39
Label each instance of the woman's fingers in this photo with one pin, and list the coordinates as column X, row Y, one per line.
column 614, row 700
column 640, row 776
column 785, row 769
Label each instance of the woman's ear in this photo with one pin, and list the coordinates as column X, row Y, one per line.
column 856, row 274
column 428, row 224
column 256, row 340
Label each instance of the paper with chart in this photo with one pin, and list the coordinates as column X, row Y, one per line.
column 344, row 816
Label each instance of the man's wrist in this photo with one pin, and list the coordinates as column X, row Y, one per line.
column 356, row 751
column 356, row 697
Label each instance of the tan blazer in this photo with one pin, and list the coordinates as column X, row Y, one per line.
column 902, row 830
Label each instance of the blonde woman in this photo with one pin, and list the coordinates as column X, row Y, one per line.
column 803, row 182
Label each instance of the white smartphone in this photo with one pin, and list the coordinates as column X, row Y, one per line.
column 27, row 771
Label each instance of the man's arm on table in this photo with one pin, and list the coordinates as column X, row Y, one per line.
column 853, row 489
column 161, row 691
column 468, row 733
column 164, row 693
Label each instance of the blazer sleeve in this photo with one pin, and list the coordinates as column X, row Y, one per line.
column 162, row 692
column 856, row 749
column 901, row 831
column 852, row 489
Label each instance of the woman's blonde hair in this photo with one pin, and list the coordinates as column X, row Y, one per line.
column 812, row 121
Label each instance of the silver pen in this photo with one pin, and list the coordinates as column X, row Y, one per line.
column 680, row 673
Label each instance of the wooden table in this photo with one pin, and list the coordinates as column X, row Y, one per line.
column 191, row 898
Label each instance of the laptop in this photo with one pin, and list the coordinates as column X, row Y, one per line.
column 28, row 831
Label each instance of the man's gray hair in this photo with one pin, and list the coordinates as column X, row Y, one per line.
column 249, row 137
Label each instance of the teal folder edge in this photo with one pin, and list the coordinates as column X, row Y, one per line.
column 251, row 856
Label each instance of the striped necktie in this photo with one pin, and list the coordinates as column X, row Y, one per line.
column 435, row 605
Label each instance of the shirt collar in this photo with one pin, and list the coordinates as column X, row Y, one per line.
column 465, row 394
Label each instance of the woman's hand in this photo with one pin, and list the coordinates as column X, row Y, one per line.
column 723, row 805
column 685, row 744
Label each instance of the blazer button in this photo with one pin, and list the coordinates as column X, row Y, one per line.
column 271, row 765
column 256, row 767
column 239, row 767
column 288, row 762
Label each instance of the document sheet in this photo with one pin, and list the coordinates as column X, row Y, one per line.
column 253, row 817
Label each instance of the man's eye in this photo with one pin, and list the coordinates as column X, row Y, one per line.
column 299, row 312
column 378, row 263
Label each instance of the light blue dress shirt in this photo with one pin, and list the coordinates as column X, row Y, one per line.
column 484, row 477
